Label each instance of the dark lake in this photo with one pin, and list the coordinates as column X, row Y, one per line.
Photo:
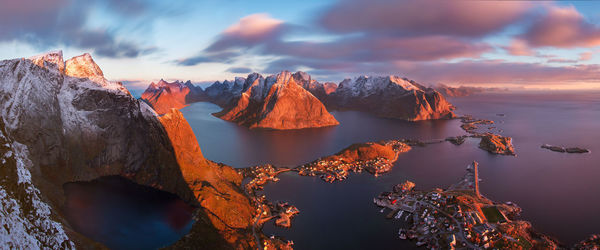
column 558, row 192
column 123, row 215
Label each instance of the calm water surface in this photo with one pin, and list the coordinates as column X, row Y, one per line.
column 123, row 215
column 558, row 192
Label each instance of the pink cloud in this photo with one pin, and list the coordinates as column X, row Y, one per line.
column 586, row 56
column 471, row 72
column 562, row 27
column 265, row 35
column 561, row 60
column 496, row 72
column 248, row 31
column 413, row 17
column 519, row 47
column 381, row 48
column 253, row 27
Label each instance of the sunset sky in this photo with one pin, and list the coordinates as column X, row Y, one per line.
column 541, row 44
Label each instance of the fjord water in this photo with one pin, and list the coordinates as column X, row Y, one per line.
column 123, row 215
column 558, row 192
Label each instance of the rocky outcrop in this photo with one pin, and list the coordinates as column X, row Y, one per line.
column 216, row 187
column 456, row 140
column 277, row 102
column 391, row 97
column 77, row 126
column 163, row 96
column 27, row 220
column 497, row 144
column 572, row 150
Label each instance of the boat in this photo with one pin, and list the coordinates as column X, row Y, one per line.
column 401, row 234
column 398, row 215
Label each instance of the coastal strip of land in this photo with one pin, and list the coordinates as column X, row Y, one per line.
column 460, row 217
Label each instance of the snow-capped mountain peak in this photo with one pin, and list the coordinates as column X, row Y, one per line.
column 83, row 66
column 52, row 60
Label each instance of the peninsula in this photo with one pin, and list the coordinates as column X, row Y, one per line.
column 460, row 217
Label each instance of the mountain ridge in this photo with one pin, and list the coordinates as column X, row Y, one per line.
column 277, row 102
column 79, row 128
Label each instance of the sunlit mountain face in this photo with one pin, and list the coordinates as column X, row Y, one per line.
column 336, row 124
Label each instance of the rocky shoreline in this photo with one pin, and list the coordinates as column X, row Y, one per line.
column 491, row 142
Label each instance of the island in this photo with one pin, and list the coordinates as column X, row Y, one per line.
column 497, row 144
column 571, row 150
column 459, row 217
column 373, row 157
column 491, row 142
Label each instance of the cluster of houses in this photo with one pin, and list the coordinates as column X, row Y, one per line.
column 259, row 175
column 282, row 212
column 338, row 170
column 285, row 212
column 439, row 219
column 476, row 228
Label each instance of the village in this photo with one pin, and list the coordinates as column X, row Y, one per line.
column 458, row 217
column 281, row 212
column 338, row 169
column 259, row 176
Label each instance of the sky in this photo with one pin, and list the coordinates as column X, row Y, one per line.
column 515, row 44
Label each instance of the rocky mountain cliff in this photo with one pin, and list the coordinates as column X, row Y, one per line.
column 71, row 124
column 163, row 96
column 319, row 90
column 225, row 93
column 391, row 97
column 276, row 102
column 27, row 219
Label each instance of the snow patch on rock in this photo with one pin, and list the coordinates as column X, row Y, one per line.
column 26, row 219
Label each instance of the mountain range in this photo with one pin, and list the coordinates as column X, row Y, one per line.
column 275, row 102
